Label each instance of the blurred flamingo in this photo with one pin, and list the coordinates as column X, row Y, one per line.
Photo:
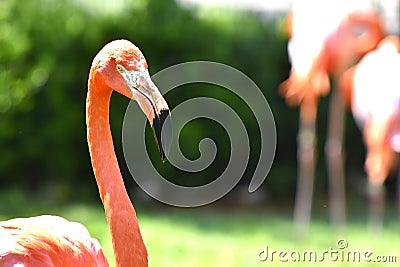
column 372, row 88
column 53, row 241
column 326, row 38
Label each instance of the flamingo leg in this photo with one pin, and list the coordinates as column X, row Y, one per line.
column 376, row 193
column 335, row 160
column 398, row 193
column 306, row 161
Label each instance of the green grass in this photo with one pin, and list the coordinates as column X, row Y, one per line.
column 212, row 237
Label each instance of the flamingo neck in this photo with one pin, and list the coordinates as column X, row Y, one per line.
column 129, row 249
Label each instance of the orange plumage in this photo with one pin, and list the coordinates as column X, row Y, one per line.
column 48, row 241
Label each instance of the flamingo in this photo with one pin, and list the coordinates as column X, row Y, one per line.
column 372, row 88
column 324, row 42
column 53, row 241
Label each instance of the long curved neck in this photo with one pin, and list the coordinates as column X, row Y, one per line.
column 129, row 249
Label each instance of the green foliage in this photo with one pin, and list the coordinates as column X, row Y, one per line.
column 47, row 47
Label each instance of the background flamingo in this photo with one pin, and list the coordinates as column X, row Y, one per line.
column 53, row 241
column 373, row 89
column 324, row 42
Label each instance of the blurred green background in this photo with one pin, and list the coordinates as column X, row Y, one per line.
column 46, row 48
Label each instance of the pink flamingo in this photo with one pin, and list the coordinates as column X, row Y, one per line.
column 372, row 88
column 324, row 41
column 53, row 241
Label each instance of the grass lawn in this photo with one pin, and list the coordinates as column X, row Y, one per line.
column 211, row 237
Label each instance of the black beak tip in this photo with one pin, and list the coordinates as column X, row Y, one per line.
column 162, row 155
column 158, row 124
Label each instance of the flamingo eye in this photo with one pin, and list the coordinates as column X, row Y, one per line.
column 120, row 68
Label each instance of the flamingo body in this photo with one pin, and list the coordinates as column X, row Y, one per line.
column 375, row 104
column 323, row 43
column 48, row 241
column 376, row 88
column 306, row 48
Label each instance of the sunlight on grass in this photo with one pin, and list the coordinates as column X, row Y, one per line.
column 189, row 238
column 210, row 237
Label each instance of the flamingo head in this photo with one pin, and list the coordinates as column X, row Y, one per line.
column 122, row 67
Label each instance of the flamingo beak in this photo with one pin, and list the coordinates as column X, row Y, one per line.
column 158, row 123
column 155, row 107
